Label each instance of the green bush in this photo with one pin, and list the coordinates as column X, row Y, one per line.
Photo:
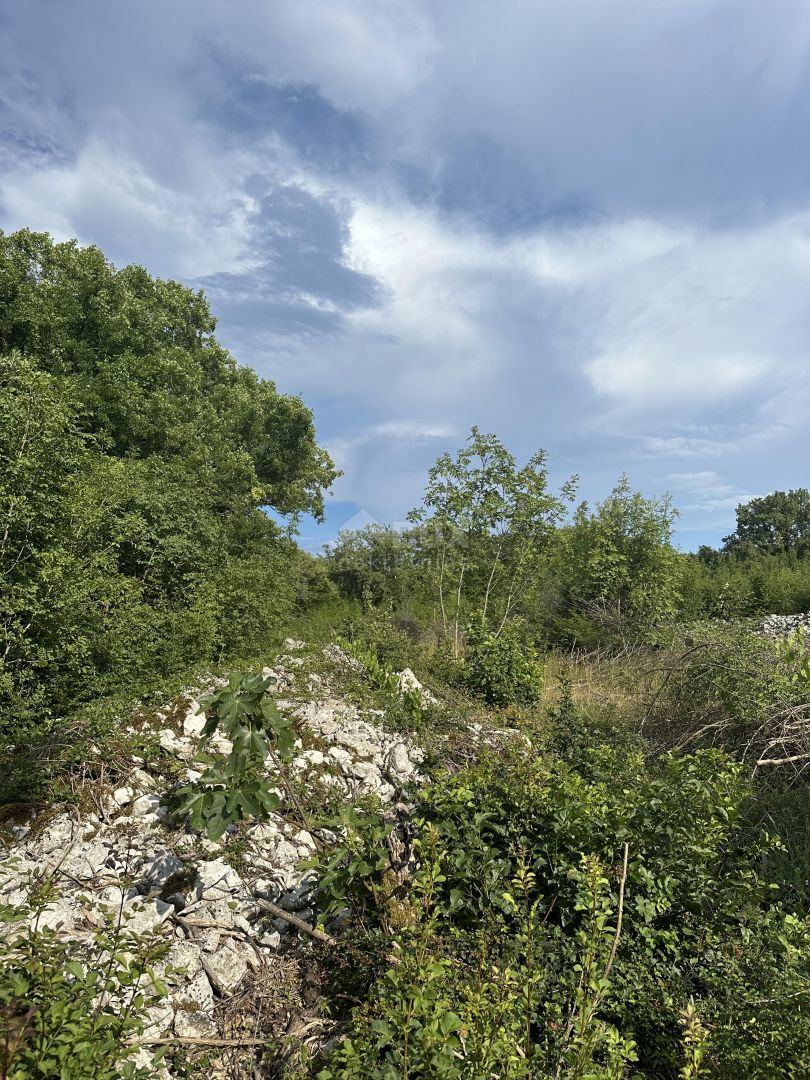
column 500, row 669
column 70, row 1010
column 601, row 919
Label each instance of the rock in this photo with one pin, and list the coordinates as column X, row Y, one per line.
column 292, row 645
column 160, row 867
column 285, row 855
column 158, row 1019
column 145, row 916
column 194, row 1003
column 398, row 764
column 301, row 896
column 146, row 804
column 173, row 745
column 182, row 962
column 408, row 683
column 194, row 723
column 225, row 968
column 341, row 757
column 270, row 939
column 216, row 881
column 58, row 915
column 142, row 1059
column 58, row 834
column 311, row 757
column 123, row 796
column 141, row 779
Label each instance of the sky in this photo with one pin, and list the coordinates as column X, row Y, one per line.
column 584, row 226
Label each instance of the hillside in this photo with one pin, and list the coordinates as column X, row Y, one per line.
column 517, row 792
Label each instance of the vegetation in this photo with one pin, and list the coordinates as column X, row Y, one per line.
column 138, row 458
column 605, row 872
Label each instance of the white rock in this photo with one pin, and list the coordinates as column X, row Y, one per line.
column 160, row 866
column 142, row 1059
column 123, row 795
column 194, row 723
column 182, row 962
column 285, row 854
column 216, row 881
column 174, row 745
column 146, row 804
column 270, row 939
column 158, row 1019
column 409, row 682
column 141, row 779
column 342, row 757
column 58, row 915
column 194, row 1004
column 145, row 916
column 398, row 763
column 225, row 968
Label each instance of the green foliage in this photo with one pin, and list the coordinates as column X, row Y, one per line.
column 377, row 562
column 501, row 669
column 775, row 523
column 70, row 1010
column 615, row 567
column 724, row 586
column 237, row 789
column 485, row 525
column 595, row 919
column 137, row 460
column 384, row 681
column 722, row 685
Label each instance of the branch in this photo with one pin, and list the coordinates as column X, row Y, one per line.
column 293, row 920
column 783, row 760
column 617, row 935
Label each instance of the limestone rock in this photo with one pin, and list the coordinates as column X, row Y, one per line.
column 194, row 1004
column 216, row 881
column 225, row 968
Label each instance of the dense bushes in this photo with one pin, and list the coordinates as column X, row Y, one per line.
column 602, row 917
column 137, row 456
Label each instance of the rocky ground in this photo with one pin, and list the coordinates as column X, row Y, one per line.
column 121, row 861
column 782, row 626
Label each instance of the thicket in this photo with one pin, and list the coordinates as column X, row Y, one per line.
column 138, row 458
column 598, row 916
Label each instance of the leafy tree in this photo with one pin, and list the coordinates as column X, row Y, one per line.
column 376, row 562
column 138, row 458
column 617, row 562
column 775, row 523
column 487, row 524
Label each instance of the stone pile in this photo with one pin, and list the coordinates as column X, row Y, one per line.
column 126, row 862
column 782, row 626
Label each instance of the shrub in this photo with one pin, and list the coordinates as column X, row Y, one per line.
column 499, row 668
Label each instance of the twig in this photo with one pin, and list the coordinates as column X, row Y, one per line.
column 293, row 920
column 783, row 760
column 617, row 935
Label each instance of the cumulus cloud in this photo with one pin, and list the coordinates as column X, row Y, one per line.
column 584, row 226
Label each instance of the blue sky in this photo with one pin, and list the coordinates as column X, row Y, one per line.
column 583, row 225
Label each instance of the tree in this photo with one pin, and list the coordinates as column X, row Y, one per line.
column 137, row 460
column 617, row 562
column 772, row 524
column 487, row 523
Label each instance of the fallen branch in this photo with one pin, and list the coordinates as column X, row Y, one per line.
column 783, row 760
column 293, row 920
column 177, row 1040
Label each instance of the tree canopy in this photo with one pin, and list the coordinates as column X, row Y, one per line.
column 772, row 524
column 138, row 457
